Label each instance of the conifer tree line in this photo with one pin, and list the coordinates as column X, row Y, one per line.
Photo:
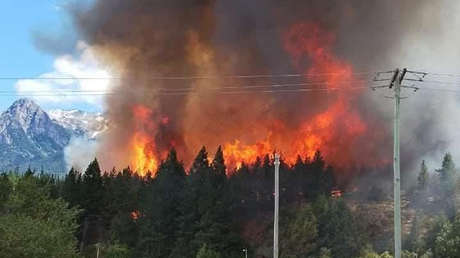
column 202, row 212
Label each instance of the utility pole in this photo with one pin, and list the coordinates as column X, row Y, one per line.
column 396, row 85
column 245, row 251
column 97, row 246
column 277, row 196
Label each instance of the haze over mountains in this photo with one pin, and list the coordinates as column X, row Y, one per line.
column 32, row 137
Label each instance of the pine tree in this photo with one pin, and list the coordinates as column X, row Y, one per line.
column 93, row 193
column 321, row 178
column 218, row 163
column 267, row 166
column 206, row 216
column 161, row 209
column 241, row 186
column 72, row 187
column 244, row 170
column 189, row 208
column 299, row 232
column 91, row 200
column 299, row 180
column 257, row 164
column 447, row 172
column 121, row 205
column 421, row 192
column 299, row 165
column 33, row 224
column 447, row 181
column 5, row 189
column 413, row 242
column 328, row 180
column 337, row 229
column 422, row 179
column 201, row 162
column 447, row 242
column 317, row 163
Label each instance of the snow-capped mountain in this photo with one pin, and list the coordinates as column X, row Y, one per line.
column 30, row 138
column 80, row 123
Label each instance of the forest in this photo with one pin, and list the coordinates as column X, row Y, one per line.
column 205, row 212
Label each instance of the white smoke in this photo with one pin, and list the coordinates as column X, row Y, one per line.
column 80, row 152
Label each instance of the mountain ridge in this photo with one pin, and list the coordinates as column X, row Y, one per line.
column 30, row 137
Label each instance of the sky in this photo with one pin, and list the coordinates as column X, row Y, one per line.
column 40, row 41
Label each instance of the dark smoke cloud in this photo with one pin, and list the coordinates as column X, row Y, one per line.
column 142, row 39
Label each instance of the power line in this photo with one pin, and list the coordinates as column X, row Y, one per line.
column 328, row 90
column 442, row 82
column 232, row 89
column 440, row 89
column 191, row 88
column 265, row 86
column 286, row 87
column 195, row 77
column 297, row 90
column 444, row 74
column 431, row 74
column 420, row 79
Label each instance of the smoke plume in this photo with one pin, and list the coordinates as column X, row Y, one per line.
column 80, row 152
column 148, row 42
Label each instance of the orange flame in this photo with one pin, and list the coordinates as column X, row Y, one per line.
column 135, row 215
column 144, row 159
column 143, row 156
column 236, row 153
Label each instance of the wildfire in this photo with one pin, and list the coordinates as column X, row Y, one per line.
column 337, row 125
column 144, row 158
column 135, row 215
column 332, row 129
column 236, row 153
column 144, row 154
